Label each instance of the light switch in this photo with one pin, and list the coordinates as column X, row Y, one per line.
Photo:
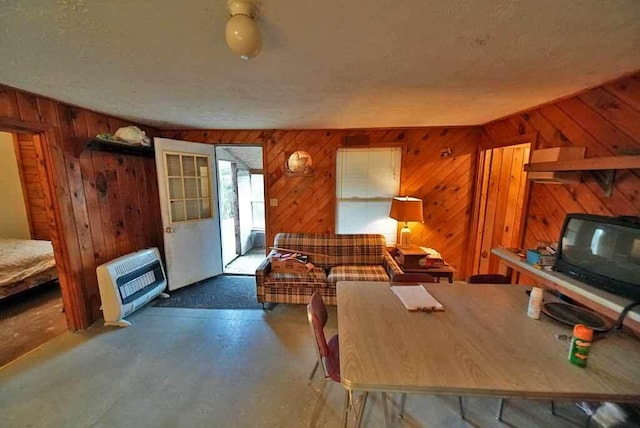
column 273, row 202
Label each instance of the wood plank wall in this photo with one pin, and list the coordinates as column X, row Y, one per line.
column 32, row 186
column 605, row 120
column 106, row 205
column 307, row 204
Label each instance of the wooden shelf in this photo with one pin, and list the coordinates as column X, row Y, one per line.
column 100, row 145
column 602, row 169
column 588, row 164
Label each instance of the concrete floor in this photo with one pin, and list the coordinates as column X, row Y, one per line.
column 211, row 368
column 246, row 264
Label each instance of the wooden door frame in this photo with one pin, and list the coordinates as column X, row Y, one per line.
column 265, row 188
column 51, row 164
column 491, row 144
column 25, row 197
column 236, row 209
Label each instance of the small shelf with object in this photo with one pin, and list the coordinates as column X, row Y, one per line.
column 121, row 147
column 564, row 165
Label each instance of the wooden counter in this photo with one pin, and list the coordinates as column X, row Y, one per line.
column 599, row 300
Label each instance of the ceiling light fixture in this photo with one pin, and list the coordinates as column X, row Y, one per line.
column 242, row 33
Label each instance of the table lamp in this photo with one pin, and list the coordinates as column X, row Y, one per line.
column 406, row 209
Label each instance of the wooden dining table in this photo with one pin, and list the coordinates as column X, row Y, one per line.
column 482, row 344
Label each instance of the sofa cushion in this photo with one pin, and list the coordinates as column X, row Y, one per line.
column 316, row 278
column 333, row 250
column 357, row 273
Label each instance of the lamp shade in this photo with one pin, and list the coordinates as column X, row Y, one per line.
column 406, row 208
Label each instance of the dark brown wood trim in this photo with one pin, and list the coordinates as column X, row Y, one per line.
column 475, row 212
column 267, row 201
column 531, row 137
column 491, row 144
column 236, row 207
column 45, row 143
column 23, row 184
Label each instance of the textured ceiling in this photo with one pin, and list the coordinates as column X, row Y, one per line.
column 248, row 156
column 324, row 64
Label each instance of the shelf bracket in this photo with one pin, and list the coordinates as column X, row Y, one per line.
column 605, row 179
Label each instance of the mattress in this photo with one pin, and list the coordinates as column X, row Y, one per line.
column 21, row 259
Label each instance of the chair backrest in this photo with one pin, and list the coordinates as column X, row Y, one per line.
column 491, row 278
column 413, row 277
column 327, row 251
column 317, row 316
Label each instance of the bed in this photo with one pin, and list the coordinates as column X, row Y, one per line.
column 25, row 264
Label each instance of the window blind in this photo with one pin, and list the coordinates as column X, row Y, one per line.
column 366, row 181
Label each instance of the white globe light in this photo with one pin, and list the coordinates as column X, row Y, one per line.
column 243, row 36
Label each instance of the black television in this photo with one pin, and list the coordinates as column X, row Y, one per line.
column 602, row 251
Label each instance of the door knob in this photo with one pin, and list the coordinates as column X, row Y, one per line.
column 168, row 229
column 483, row 255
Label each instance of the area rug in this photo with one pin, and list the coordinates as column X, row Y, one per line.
column 221, row 292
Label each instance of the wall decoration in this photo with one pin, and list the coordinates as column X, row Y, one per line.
column 298, row 163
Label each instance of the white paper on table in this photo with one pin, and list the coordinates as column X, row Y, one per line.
column 416, row 297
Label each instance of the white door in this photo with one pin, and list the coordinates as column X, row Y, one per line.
column 189, row 207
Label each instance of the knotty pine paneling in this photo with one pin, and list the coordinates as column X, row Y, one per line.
column 605, row 120
column 102, row 205
column 32, row 186
column 307, row 204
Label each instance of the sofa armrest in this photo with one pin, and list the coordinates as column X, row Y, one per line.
column 261, row 272
column 391, row 266
column 265, row 266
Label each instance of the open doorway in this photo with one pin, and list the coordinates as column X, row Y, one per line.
column 242, row 214
column 30, row 298
column 500, row 206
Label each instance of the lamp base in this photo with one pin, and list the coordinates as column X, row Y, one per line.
column 405, row 237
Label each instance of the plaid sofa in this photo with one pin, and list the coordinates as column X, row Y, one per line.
column 336, row 258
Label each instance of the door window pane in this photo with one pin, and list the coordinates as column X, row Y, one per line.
column 205, row 208
column 202, row 164
column 175, row 188
column 177, row 211
column 190, row 189
column 203, row 187
column 188, row 166
column 193, row 209
column 188, row 186
column 173, row 166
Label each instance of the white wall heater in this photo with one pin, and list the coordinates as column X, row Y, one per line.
column 128, row 283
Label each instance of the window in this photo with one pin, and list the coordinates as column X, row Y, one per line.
column 188, row 184
column 366, row 181
column 257, row 200
column 226, row 192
